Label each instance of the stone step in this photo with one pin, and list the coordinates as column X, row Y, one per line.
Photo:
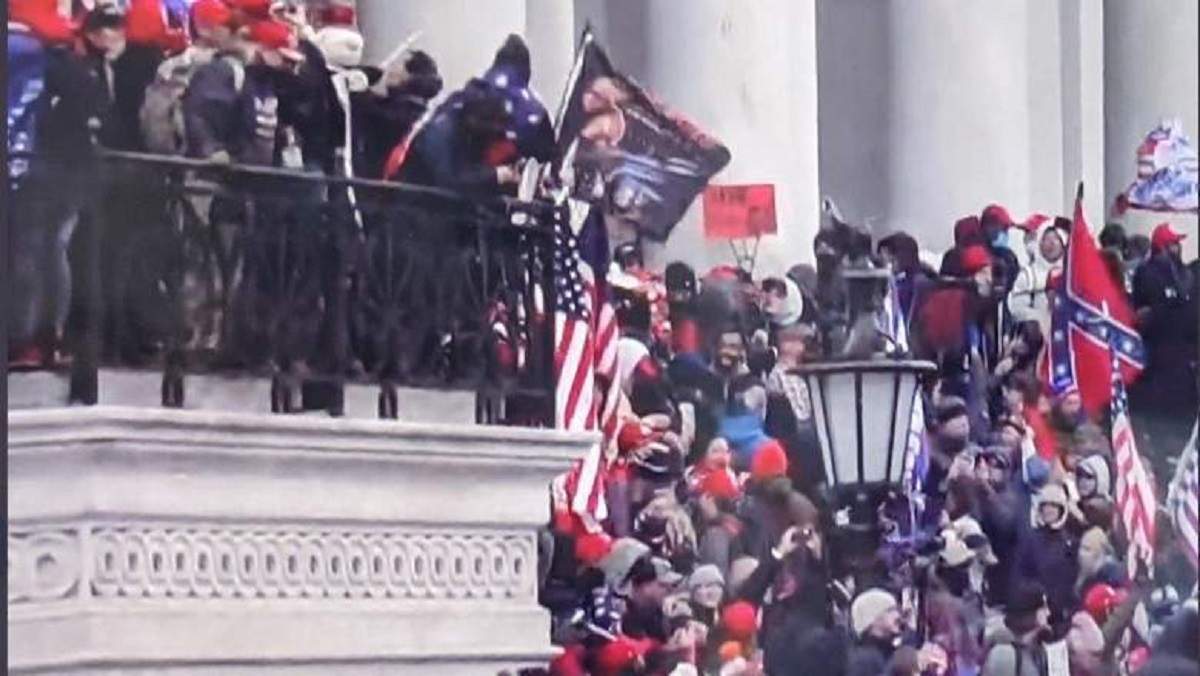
column 244, row 394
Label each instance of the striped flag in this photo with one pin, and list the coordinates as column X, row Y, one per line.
column 892, row 323
column 1182, row 499
column 1136, row 501
column 585, row 358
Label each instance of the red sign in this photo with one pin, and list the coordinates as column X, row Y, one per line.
column 739, row 211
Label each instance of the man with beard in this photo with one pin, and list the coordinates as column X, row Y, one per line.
column 877, row 624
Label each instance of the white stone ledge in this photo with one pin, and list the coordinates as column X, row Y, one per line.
column 209, row 542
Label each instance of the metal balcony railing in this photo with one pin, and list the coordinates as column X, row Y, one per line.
column 314, row 281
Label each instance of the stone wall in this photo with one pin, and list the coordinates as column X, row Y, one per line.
column 202, row 542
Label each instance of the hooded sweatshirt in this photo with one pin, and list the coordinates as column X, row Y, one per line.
column 1027, row 300
column 1049, row 554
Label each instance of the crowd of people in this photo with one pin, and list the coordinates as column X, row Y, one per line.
column 251, row 83
column 721, row 551
column 718, row 547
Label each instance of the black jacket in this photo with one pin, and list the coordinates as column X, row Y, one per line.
column 221, row 116
column 123, row 85
column 1050, row 556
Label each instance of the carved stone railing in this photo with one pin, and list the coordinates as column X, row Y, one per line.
column 182, row 542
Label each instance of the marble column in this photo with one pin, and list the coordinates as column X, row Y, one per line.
column 959, row 122
column 1151, row 73
column 550, row 32
column 461, row 35
column 746, row 72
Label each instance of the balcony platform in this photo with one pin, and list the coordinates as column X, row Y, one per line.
column 185, row 542
column 243, row 393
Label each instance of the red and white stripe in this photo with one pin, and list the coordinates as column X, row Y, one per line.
column 1136, row 500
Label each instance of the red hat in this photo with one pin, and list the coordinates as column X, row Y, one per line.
column 632, row 435
column 616, row 656
column 42, row 18
column 1100, row 600
column 570, row 662
column 591, row 548
column 1033, row 223
column 769, row 461
column 719, row 484
column 211, row 13
column 740, row 620
column 271, row 34
column 338, row 15
column 255, row 9
column 996, row 213
column 975, row 258
column 1164, row 235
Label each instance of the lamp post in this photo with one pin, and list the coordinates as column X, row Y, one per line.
column 862, row 402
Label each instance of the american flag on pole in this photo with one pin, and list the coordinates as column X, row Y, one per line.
column 894, row 325
column 1090, row 318
column 585, row 357
column 1182, row 499
column 1136, row 501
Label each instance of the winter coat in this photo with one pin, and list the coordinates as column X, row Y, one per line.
column 125, row 80
column 232, row 108
column 1007, row 657
column 1050, row 556
column 380, row 123
column 869, row 657
column 443, row 155
column 1163, row 292
column 308, row 104
column 784, row 621
column 1003, row 520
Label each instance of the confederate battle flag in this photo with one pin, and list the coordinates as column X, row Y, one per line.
column 1091, row 315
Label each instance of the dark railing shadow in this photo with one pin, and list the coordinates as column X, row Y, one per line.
column 316, row 282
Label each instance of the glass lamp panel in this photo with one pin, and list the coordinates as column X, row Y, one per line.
column 841, row 402
column 903, row 423
column 878, row 405
column 816, row 395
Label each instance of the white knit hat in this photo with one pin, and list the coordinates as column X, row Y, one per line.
column 341, row 46
column 703, row 575
column 868, row 607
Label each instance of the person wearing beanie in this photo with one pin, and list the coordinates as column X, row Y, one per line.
column 1018, row 648
column 875, row 621
column 53, row 103
column 769, row 462
column 1049, row 553
column 706, row 589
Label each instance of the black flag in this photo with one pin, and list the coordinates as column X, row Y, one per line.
column 643, row 162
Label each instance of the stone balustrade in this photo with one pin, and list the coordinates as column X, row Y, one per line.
column 203, row 542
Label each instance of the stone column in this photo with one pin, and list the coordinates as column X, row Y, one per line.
column 550, row 32
column 461, row 35
column 746, row 72
column 959, row 124
column 1151, row 72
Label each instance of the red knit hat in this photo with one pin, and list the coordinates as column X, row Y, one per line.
column 211, row 13
column 769, row 461
column 591, row 548
column 975, row 258
column 719, row 484
column 616, row 656
column 42, row 18
column 740, row 620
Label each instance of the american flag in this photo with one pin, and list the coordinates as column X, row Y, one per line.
column 1090, row 318
column 585, row 355
column 1182, row 499
column 1136, row 501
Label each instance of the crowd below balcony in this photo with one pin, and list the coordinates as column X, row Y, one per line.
column 713, row 556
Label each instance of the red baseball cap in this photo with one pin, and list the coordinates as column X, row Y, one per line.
column 271, row 34
column 211, row 13
column 996, row 213
column 1164, row 235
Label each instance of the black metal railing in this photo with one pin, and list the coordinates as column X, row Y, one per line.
column 314, row 281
